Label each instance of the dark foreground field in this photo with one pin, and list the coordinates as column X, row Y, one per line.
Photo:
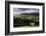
column 26, row 20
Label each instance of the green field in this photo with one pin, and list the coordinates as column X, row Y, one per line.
column 25, row 20
column 27, row 16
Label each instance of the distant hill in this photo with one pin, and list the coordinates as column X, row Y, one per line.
column 30, row 14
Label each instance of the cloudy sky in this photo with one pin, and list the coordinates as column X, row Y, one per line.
column 17, row 11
